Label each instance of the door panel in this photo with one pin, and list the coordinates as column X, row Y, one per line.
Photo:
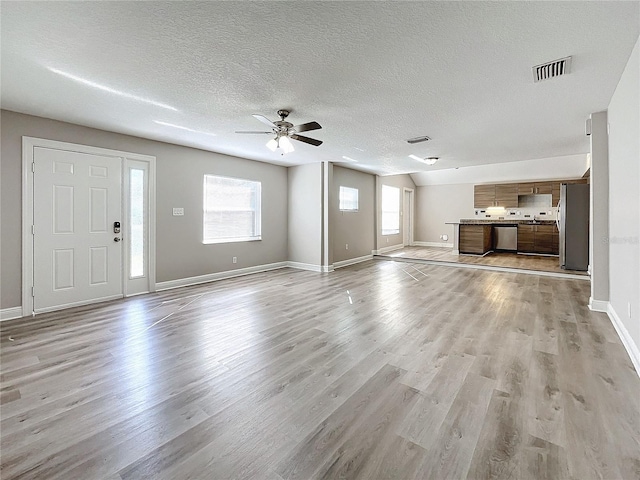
column 77, row 197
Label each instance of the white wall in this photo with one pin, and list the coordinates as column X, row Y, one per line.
column 437, row 204
column 305, row 214
column 624, row 199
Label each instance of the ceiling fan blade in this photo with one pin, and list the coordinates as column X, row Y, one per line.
column 310, row 141
column 305, row 127
column 264, row 120
column 268, row 133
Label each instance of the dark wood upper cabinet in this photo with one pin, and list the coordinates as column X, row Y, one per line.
column 507, row 195
column 543, row 188
column 526, row 188
column 484, row 196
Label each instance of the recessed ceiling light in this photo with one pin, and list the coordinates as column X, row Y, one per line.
column 422, row 138
column 183, row 128
column 111, row 90
column 428, row 160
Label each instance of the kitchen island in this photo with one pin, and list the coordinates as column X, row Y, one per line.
column 478, row 236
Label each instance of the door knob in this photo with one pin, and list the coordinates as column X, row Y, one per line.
column 117, row 239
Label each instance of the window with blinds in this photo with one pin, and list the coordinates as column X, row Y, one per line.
column 231, row 210
column 348, row 199
column 390, row 210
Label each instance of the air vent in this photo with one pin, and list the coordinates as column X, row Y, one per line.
column 551, row 69
column 423, row 138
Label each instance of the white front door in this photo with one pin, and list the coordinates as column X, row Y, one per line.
column 77, row 256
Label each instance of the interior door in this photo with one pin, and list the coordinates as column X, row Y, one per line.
column 77, row 256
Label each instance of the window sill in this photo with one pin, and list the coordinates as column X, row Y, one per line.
column 232, row 240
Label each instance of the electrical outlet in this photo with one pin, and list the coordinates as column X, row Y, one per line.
column 346, row 246
column 234, row 259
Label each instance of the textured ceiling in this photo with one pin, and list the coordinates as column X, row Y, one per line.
column 373, row 74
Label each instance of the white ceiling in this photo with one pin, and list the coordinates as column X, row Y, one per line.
column 373, row 74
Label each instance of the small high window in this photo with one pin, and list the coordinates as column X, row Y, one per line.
column 348, row 199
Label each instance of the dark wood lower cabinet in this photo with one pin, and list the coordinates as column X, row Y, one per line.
column 475, row 239
column 538, row 239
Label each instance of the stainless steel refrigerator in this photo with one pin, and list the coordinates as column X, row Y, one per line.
column 573, row 225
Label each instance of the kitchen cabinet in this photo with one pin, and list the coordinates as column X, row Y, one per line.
column 536, row 188
column 484, row 196
column 476, row 239
column 538, row 239
column 507, row 195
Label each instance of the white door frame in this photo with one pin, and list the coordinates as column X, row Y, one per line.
column 408, row 236
column 28, row 145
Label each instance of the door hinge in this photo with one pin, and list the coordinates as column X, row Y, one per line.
column 33, row 291
column 33, row 166
column 33, row 229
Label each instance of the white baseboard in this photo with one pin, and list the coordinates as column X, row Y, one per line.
column 627, row 341
column 433, row 244
column 352, row 261
column 598, row 305
column 312, row 267
column 212, row 277
column 384, row 250
column 10, row 313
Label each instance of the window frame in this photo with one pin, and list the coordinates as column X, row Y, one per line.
column 257, row 212
column 340, row 199
column 394, row 231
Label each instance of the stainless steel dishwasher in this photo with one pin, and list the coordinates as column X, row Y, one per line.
column 505, row 238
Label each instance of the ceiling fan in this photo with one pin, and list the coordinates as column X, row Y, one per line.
column 284, row 131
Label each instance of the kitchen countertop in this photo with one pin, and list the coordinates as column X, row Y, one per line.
column 506, row 221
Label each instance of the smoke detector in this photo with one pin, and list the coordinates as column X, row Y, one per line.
column 548, row 70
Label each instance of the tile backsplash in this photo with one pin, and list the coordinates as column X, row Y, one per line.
column 541, row 213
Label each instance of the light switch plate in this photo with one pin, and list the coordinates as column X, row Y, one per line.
column 178, row 212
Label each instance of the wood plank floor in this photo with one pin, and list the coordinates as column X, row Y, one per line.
column 539, row 263
column 380, row 370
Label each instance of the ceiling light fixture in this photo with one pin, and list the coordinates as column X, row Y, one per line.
column 183, row 128
column 111, row 90
column 428, row 160
column 349, row 159
column 282, row 142
column 422, row 138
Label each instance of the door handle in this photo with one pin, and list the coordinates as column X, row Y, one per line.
column 117, row 239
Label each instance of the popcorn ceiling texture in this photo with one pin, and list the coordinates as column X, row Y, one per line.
column 371, row 73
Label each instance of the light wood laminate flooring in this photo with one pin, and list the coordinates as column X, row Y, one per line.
column 376, row 371
column 538, row 263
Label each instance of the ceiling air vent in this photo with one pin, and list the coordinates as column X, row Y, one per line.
column 551, row 69
column 422, row 138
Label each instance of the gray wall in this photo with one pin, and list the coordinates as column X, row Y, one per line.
column 437, row 204
column 624, row 197
column 305, row 213
column 398, row 181
column 179, row 176
column 353, row 228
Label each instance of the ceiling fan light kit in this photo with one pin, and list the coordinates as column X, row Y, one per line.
column 285, row 132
